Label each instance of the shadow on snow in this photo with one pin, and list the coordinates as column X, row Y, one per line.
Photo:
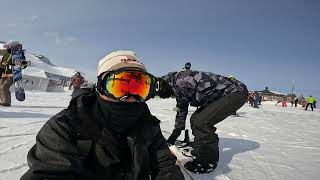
column 23, row 115
column 230, row 147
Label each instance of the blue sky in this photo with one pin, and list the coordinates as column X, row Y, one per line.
column 261, row 42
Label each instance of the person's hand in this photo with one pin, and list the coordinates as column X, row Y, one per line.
column 174, row 135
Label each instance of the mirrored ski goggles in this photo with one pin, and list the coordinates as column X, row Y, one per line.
column 122, row 84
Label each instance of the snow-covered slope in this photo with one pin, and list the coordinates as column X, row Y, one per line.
column 262, row 144
column 37, row 64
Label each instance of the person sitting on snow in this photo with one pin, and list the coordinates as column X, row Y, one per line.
column 216, row 97
column 107, row 132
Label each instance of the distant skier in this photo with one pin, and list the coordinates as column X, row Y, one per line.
column 257, row 99
column 296, row 100
column 107, row 132
column 280, row 101
column 251, row 100
column 314, row 104
column 76, row 81
column 216, row 97
column 284, row 103
column 310, row 102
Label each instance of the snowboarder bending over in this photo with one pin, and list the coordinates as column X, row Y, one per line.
column 76, row 81
column 107, row 132
column 216, row 97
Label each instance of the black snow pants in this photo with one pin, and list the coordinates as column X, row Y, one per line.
column 311, row 105
column 206, row 141
column 1, row 71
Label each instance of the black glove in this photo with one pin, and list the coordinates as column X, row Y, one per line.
column 165, row 90
column 173, row 137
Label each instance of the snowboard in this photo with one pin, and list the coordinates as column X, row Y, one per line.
column 188, row 175
column 181, row 160
column 181, row 149
column 19, row 92
column 177, row 150
column 19, row 62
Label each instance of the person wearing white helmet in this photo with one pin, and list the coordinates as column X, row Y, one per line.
column 107, row 132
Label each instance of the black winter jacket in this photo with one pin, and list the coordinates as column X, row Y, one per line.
column 76, row 144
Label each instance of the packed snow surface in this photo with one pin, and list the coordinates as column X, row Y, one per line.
column 271, row 142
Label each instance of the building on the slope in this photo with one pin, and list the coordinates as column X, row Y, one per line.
column 271, row 95
column 275, row 96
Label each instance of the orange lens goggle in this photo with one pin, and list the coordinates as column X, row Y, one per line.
column 122, row 84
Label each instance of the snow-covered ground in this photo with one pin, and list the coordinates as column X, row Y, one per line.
column 266, row 143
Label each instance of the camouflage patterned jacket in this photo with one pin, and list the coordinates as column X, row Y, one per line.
column 199, row 89
column 5, row 64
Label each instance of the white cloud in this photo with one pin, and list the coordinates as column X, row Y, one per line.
column 58, row 39
column 22, row 20
column 28, row 19
column 12, row 25
column 34, row 18
column 51, row 34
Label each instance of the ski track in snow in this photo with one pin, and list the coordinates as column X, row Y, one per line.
column 271, row 142
column 14, row 167
column 15, row 146
column 15, row 135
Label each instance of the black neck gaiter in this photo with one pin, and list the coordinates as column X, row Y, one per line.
column 122, row 116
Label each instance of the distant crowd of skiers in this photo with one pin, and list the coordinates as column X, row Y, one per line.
column 256, row 98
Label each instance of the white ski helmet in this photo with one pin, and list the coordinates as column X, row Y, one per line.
column 119, row 59
column 10, row 44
